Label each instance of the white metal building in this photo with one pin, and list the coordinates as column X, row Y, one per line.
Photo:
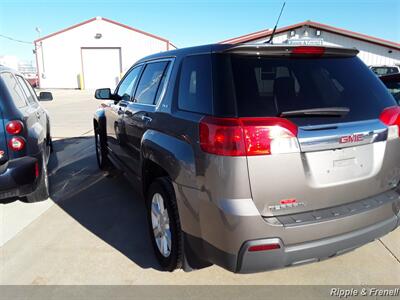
column 92, row 54
column 373, row 51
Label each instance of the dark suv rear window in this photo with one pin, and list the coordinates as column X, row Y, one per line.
column 265, row 86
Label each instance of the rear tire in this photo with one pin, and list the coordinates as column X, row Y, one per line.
column 101, row 150
column 164, row 224
column 42, row 191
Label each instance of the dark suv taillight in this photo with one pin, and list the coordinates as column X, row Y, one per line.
column 16, row 143
column 14, row 127
column 248, row 136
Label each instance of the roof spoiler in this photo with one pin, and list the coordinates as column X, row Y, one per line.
column 290, row 50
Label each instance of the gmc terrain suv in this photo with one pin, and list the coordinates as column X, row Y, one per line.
column 25, row 140
column 255, row 157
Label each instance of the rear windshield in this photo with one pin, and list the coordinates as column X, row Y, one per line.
column 265, row 86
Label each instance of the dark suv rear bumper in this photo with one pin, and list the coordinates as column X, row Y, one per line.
column 313, row 251
column 18, row 177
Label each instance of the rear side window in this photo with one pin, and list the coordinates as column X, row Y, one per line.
column 150, row 82
column 268, row 86
column 195, row 89
column 14, row 89
column 27, row 91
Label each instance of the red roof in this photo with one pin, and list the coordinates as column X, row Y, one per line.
column 107, row 20
column 355, row 35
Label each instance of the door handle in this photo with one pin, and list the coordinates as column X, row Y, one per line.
column 146, row 118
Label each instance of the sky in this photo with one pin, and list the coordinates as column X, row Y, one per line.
column 192, row 22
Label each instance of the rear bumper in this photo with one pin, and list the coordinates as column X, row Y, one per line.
column 221, row 232
column 249, row 262
column 18, row 177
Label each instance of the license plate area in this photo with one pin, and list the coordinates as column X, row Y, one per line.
column 339, row 166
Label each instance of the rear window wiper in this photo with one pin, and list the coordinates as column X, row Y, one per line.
column 325, row 111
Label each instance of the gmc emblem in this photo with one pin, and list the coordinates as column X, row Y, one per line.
column 351, row 138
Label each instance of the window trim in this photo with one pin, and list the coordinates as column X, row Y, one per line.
column 167, row 73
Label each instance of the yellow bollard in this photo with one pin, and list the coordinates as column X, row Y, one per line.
column 81, row 83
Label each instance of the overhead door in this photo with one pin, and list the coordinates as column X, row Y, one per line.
column 101, row 67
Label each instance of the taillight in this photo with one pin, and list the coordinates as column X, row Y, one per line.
column 308, row 50
column 16, row 143
column 14, row 127
column 221, row 136
column 391, row 117
column 248, row 136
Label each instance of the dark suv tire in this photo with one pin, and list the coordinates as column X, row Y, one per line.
column 164, row 224
column 101, row 149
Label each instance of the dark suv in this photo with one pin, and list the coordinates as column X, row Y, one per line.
column 255, row 157
column 25, row 140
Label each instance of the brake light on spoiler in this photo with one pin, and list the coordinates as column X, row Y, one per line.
column 308, row 51
column 248, row 136
column 390, row 116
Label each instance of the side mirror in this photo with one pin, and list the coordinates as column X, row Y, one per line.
column 103, row 94
column 45, row 96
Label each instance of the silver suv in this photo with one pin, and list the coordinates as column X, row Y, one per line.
column 255, row 157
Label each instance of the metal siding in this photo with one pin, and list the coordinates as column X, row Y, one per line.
column 370, row 53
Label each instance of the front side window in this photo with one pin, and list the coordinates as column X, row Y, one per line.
column 125, row 88
column 14, row 89
column 150, row 82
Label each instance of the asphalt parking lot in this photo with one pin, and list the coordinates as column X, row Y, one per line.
column 93, row 229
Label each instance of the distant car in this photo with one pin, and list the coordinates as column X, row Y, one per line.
column 255, row 157
column 385, row 70
column 392, row 82
column 25, row 140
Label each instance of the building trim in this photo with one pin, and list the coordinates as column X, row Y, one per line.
column 104, row 19
column 359, row 36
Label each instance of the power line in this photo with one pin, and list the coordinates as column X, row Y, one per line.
column 15, row 40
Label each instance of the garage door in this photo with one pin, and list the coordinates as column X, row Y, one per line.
column 101, row 67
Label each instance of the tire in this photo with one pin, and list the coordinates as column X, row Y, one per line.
column 42, row 191
column 163, row 217
column 101, row 150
